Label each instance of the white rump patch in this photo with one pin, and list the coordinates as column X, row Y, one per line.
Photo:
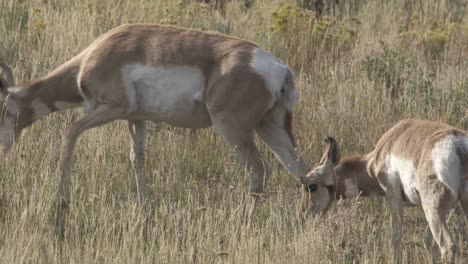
column 172, row 94
column 402, row 171
column 271, row 69
column 446, row 162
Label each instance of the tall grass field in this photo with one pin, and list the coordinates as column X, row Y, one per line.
column 360, row 68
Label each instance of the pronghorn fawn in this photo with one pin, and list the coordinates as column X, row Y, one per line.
column 186, row 78
column 415, row 163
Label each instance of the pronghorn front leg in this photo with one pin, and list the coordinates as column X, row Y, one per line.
column 100, row 116
column 393, row 192
column 397, row 223
column 138, row 134
column 437, row 212
column 429, row 244
column 240, row 139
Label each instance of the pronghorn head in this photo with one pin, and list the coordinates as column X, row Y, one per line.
column 319, row 186
column 9, row 108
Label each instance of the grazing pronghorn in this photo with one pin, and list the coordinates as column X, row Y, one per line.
column 186, row 78
column 414, row 163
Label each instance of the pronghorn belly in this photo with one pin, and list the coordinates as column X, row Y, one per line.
column 171, row 94
column 447, row 163
column 402, row 171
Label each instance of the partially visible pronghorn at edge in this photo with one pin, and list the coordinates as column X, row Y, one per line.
column 183, row 77
column 416, row 162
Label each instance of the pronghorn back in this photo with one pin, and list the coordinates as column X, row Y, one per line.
column 179, row 76
column 415, row 149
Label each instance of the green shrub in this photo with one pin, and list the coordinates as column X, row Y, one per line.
column 296, row 26
column 397, row 75
column 288, row 16
column 433, row 36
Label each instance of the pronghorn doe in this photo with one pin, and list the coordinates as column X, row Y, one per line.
column 416, row 162
column 183, row 77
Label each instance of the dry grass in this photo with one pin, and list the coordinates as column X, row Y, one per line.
column 357, row 74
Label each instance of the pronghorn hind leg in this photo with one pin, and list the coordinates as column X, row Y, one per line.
column 276, row 132
column 241, row 141
column 397, row 224
column 138, row 135
column 393, row 192
column 100, row 116
column 429, row 244
column 437, row 201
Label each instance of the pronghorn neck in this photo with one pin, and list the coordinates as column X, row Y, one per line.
column 354, row 180
column 54, row 92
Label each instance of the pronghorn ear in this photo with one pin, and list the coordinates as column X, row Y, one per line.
column 332, row 153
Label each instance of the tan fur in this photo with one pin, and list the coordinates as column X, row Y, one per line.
column 214, row 54
column 407, row 139
column 412, row 141
column 237, row 98
column 350, row 169
column 354, row 168
column 58, row 86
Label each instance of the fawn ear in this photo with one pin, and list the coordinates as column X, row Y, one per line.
column 332, row 152
column 305, row 180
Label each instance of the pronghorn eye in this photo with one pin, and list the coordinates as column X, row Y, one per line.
column 331, row 187
column 312, row 187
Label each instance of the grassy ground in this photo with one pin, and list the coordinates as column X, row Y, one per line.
column 358, row 73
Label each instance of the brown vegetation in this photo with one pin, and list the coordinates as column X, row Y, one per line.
column 364, row 71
